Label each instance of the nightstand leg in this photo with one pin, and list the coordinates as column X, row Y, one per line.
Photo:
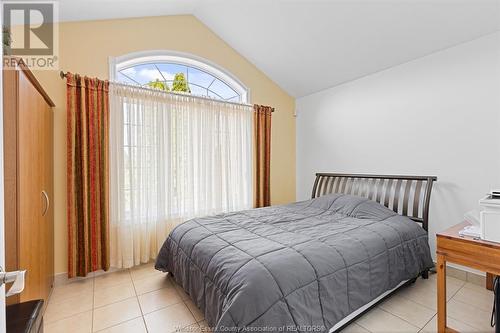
column 441, row 293
column 497, row 305
column 489, row 281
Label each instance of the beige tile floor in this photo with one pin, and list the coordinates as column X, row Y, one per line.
column 144, row 300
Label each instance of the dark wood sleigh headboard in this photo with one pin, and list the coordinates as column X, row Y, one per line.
column 406, row 195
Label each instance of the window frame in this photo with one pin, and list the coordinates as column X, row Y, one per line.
column 180, row 58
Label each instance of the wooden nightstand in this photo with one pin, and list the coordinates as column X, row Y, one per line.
column 465, row 251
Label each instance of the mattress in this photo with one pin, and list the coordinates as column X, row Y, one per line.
column 300, row 267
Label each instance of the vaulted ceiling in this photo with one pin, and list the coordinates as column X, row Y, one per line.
column 309, row 45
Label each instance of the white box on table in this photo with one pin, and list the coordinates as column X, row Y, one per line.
column 490, row 219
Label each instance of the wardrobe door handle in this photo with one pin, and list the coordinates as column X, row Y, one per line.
column 47, row 202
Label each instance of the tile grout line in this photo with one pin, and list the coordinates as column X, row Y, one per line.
column 411, row 301
column 141, row 316
column 459, row 301
column 74, row 314
column 452, row 297
column 395, row 315
column 63, row 318
column 183, row 301
column 456, row 292
column 448, row 300
column 432, row 309
column 419, row 328
column 140, row 307
column 111, row 303
column 93, row 307
column 107, row 328
column 169, row 305
column 121, row 300
column 427, row 323
column 191, row 312
column 435, row 315
column 408, row 299
column 356, row 322
column 117, row 301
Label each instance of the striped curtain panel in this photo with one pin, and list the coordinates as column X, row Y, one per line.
column 87, row 177
column 262, row 144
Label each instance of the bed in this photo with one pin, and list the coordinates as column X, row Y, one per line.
column 312, row 265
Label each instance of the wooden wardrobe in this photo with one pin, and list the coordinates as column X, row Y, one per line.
column 28, row 175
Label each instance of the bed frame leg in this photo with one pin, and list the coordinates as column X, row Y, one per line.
column 425, row 274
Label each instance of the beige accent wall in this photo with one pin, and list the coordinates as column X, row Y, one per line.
column 85, row 48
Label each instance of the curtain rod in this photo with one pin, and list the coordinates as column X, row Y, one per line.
column 63, row 76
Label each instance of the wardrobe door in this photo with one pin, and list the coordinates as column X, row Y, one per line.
column 46, row 236
column 10, row 175
column 30, row 201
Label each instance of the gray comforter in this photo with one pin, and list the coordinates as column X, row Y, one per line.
column 303, row 266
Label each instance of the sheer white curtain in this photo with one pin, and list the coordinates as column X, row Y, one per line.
column 172, row 158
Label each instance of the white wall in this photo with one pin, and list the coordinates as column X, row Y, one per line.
column 437, row 115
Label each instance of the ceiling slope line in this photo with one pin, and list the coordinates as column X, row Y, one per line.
column 403, row 63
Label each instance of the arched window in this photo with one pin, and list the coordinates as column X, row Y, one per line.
column 171, row 158
column 178, row 72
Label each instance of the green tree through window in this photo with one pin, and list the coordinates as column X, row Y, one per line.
column 157, row 84
column 180, row 83
column 182, row 78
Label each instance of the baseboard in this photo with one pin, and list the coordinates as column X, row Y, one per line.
column 62, row 278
